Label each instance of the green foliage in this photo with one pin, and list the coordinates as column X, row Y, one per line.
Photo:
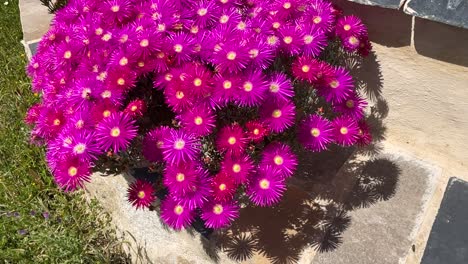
column 75, row 231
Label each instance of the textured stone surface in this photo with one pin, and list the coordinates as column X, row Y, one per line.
column 453, row 12
column 35, row 21
column 382, row 3
column 383, row 232
column 448, row 241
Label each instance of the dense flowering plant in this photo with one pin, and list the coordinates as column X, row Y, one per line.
column 218, row 95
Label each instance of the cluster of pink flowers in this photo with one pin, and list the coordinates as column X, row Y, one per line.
column 203, row 56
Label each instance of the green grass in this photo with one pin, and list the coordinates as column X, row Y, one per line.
column 75, row 231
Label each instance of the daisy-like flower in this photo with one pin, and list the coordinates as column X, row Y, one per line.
column 278, row 116
column 232, row 57
column 256, row 131
column 260, row 53
column 281, row 157
column 253, row 89
column 218, row 215
column 179, row 147
column 349, row 26
column 364, row 135
column 237, row 167
column 179, row 97
column 351, row 43
column 231, row 139
column 205, row 13
column 321, row 14
column 71, row 173
column 83, row 145
column 135, row 108
column 315, row 133
column 183, row 45
column 199, row 79
column 291, row 40
column 200, row 192
column 146, row 44
column 141, row 194
column 181, row 178
column 116, row 132
column 102, row 110
column 280, row 87
column 33, row 114
column 345, row 130
column 267, row 187
column 314, row 42
column 120, row 79
column 226, row 88
column 306, row 68
column 116, row 10
column 223, row 187
column 175, row 214
column 81, row 120
column 199, row 121
column 337, row 86
column 50, row 122
column 153, row 143
column 353, row 106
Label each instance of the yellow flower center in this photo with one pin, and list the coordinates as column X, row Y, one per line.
column 222, row 187
column 231, row 55
column 276, row 113
column 161, row 27
column 106, row 113
column 106, row 37
column 253, row 53
column 264, row 184
column 36, row 65
column 288, row 39
column 178, row 48
column 202, row 11
column 198, row 120
column 315, row 132
column 179, row 144
column 123, row 61
column 287, row 5
column 72, row 171
column 197, row 82
column 347, row 27
column 98, row 31
column 308, row 39
column 344, row 130
column 115, row 132
column 350, row 103
column 353, row 41
column 121, row 81
column 179, row 95
column 67, row 54
column 274, row 87
column 232, row 140
column 194, row 29
column 180, row 177
column 161, row 55
column 236, row 168
column 272, row 40
column 276, row 25
column 218, row 209
column 79, row 124
column 144, row 43
column 115, row 8
column 168, row 77
column 57, row 122
column 79, row 148
column 141, row 194
column 317, row 19
column 278, row 160
column 227, row 84
column 159, row 144
column 256, row 131
column 178, row 210
column 102, row 76
column 224, row 19
column 305, row 68
column 248, row 86
column 123, row 38
column 334, row 84
column 241, row 25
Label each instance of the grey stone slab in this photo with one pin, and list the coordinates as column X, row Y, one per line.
column 452, row 12
column 35, row 19
column 395, row 4
column 448, row 240
column 383, row 232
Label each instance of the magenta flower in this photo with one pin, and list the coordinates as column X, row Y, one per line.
column 337, row 86
column 253, row 89
column 218, row 215
column 321, row 14
column 33, row 114
column 306, row 69
column 314, row 42
column 345, row 130
column 181, row 178
column 199, row 121
column 280, row 87
column 281, row 157
column 83, row 145
column 231, row 58
column 364, row 135
column 291, row 40
column 199, row 193
column 135, row 108
column 237, row 167
column 72, row 173
column 140, row 194
column 179, row 147
column 349, row 26
column 182, row 47
column 231, row 139
column 223, row 187
column 116, row 132
column 353, row 106
column 267, row 187
column 226, row 88
column 278, row 116
column 175, row 214
column 315, row 133
column 153, row 143
column 256, row 131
